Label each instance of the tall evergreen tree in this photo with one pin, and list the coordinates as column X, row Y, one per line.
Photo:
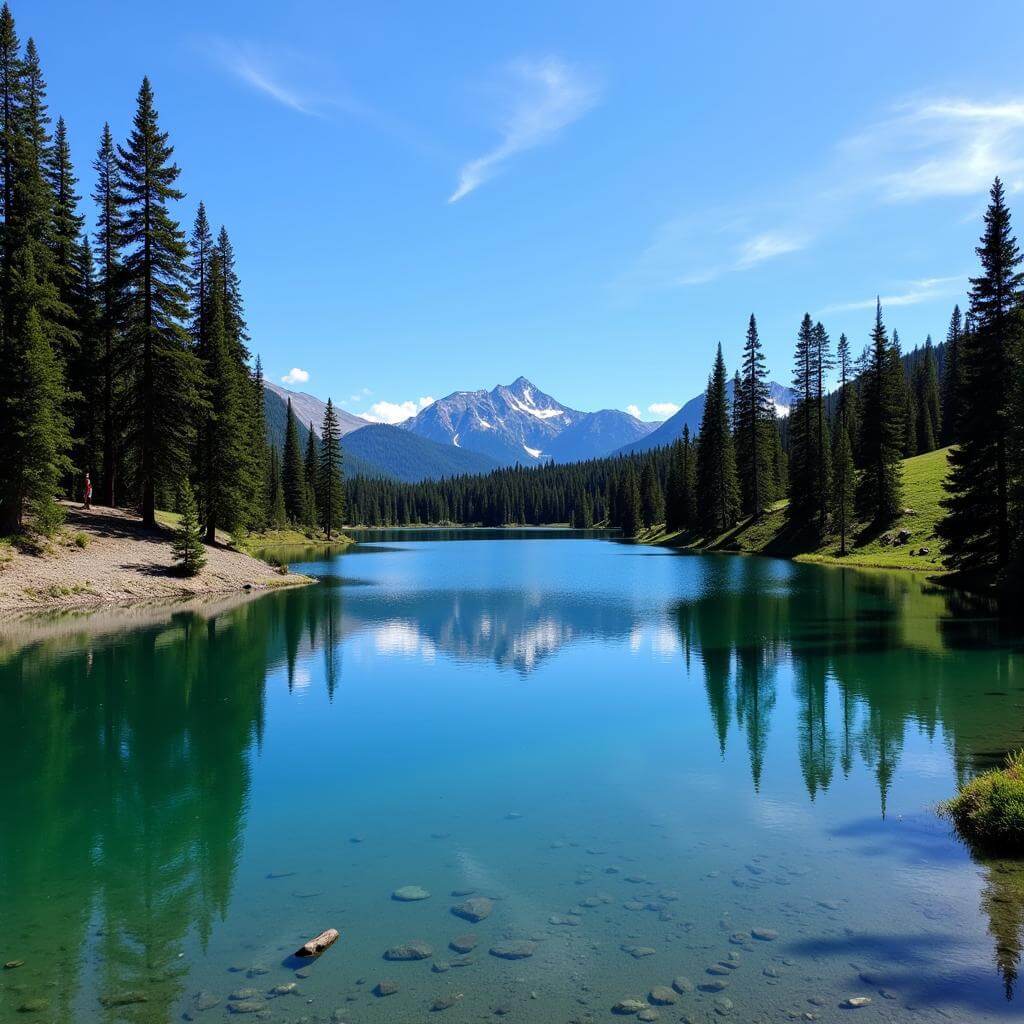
column 311, row 472
column 34, row 434
column 977, row 527
column 111, row 309
column 952, row 380
column 717, row 484
column 880, row 490
column 755, row 423
column 652, row 499
column 164, row 375
column 844, row 485
column 277, row 515
column 293, row 475
column 630, row 509
column 809, row 470
column 926, row 401
column 329, row 469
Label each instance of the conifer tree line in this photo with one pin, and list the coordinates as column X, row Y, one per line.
column 125, row 348
column 836, row 458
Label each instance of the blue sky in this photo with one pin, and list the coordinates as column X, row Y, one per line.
column 437, row 197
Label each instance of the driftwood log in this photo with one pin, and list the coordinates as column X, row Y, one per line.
column 316, row 946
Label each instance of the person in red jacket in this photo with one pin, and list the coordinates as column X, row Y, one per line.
column 88, row 492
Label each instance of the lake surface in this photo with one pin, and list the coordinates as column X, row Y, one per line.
column 656, row 766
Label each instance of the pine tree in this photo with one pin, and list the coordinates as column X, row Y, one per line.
column 630, row 505
column 652, row 499
column 187, row 545
column 809, row 471
column 906, row 400
column 223, row 440
column 754, row 424
column 977, row 529
column 34, row 435
column 880, row 490
column 329, row 469
column 164, row 375
column 926, row 401
column 277, row 516
column 260, row 483
column 675, row 518
column 65, row 240
column 848, row 403
column 952, row 380
column 293, row 476
column 112, row 304
column 311, row 473
column 844, row 485
column 717, row 485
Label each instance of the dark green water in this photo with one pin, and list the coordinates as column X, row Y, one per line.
column 625, row 748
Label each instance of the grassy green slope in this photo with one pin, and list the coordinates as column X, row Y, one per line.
column 922, row 491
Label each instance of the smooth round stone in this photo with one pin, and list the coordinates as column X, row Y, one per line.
column 649, row 1014
column 12, row 964
column 441, row 966
column 718, row 985
column 464, row 943
column 662, row 995
column 244, row 993
column 514, row 950
column 856, row 1002
column 723, row 1006
column 627, row 1007
column 639, row 952
column 445, row 1002
column 247, row 1006
column 682, row 985
column 410, row 894
column 717, row 969
column 385, row 987
column 764, row 934
column 415, row 950
column 205, row 1001
column 475, row 909
column 570, row 921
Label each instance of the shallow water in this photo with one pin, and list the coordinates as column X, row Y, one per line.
column 626, row 749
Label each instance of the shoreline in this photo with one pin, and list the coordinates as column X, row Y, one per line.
column 105, row 558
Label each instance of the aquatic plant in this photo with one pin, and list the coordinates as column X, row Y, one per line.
column 988, row 812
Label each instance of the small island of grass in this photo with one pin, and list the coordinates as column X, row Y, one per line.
column 988, row 812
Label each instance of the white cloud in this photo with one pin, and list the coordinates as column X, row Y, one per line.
column 547, row 96
column 258, row 69
column 663, row 409
column 660, row 410
column 924, row 149
column 940, row 147
column 396, row 412
column 295, row 376
column 915, row 293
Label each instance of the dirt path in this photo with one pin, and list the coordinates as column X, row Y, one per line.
column 118, row 561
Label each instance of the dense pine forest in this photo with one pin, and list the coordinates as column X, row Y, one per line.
column 125, row 346
column 836, row 459
column 128, row 364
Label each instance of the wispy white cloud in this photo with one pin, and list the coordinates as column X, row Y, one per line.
column 295, row 375
column 261, row 69
column 941, row 147
column 396, row 412
column 635, row 410
column 915, row 293
column 924, row 149
column 546, row 97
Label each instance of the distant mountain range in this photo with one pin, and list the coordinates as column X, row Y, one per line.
column 477, row 431
column 691, row 413
column 520, row 424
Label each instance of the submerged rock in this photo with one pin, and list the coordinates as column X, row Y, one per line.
column 244, row 993
column 445, row 1002
column 247, row 1006
column 112, row 999
column 856, row 1002
column 662, row 995
column 287, row 989
column 205, row 1001
column 475, row 909
column 648, row 1015
column 627, row 1007
column 682, row 985
column 385, row 987
column 415, row 950
column 11, row 964
column 514, row 950
column 464, row 943
column 764, row 934
column 410, row 894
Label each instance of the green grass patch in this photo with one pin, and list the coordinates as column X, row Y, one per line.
column 772, row 534
column 988, row 811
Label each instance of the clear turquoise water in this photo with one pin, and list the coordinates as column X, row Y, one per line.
column 679, row 749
